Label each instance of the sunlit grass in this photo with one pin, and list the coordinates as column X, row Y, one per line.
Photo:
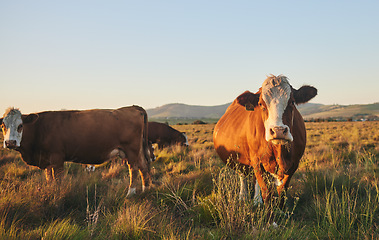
column 333, row 195
column 346, row 210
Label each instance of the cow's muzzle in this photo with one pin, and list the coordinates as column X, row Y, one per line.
column 279, row 132
column 11, row 144
column 280, row 135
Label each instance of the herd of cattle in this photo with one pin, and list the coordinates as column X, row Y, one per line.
column 260, row 132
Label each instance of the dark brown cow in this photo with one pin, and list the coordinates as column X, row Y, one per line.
column 264, row 133
column 48, row 139
column 164, row 135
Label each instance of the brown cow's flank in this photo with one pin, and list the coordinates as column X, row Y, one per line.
column 164, row 135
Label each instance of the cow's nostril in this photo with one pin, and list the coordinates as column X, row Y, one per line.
column 272, row 131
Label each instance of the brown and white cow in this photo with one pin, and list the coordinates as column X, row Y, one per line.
column 264, row 133
column 164, row 135
column 48, row 139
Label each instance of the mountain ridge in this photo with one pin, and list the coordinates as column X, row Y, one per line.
column 308, row 111
column 181, row 110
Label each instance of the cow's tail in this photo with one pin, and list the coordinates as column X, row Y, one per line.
column 145, row 140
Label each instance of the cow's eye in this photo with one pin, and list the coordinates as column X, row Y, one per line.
column 19, row 128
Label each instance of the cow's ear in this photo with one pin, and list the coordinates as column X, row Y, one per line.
column 304, row 94
column 31, row 118
column 248, row 100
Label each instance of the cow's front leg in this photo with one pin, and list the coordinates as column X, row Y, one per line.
column 53, row 173
column 49, row 174
column 267, row 195
column 282, row 190
column 55, row 169
column 259, row 175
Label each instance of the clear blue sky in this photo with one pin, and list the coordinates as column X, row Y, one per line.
column 107, row 54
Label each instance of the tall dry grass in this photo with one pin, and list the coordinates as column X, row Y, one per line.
column 333, row 195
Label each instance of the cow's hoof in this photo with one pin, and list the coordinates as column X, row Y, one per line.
column 131, row 192
column 145, row 188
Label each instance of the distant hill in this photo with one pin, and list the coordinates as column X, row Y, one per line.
column 344, row 111
column 308, row 110
column 179, row 110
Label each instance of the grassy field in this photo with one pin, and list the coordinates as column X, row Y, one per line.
column 333, row 195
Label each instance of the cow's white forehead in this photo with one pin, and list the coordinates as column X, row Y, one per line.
column 11, row 115
column 275, row 90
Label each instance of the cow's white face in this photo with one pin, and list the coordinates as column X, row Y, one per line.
column 276, row 103
column 12, row 128
column 276, row 92
column 186, row 143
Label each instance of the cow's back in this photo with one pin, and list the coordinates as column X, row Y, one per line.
column 156, row 130
column 160, row 132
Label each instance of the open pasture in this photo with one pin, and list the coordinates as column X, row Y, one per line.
column 334, row 194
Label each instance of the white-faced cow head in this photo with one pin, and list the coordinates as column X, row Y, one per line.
column 276, row 100
column 185, row 142
column 12, row 126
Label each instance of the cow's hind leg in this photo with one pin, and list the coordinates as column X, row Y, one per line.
column 138, row 164
column 146, row 179
column 133, row 173
column 144, row 169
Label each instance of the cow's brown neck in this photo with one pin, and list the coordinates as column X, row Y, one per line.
column 275, row 158
column 282, row 154
column 27, row 146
